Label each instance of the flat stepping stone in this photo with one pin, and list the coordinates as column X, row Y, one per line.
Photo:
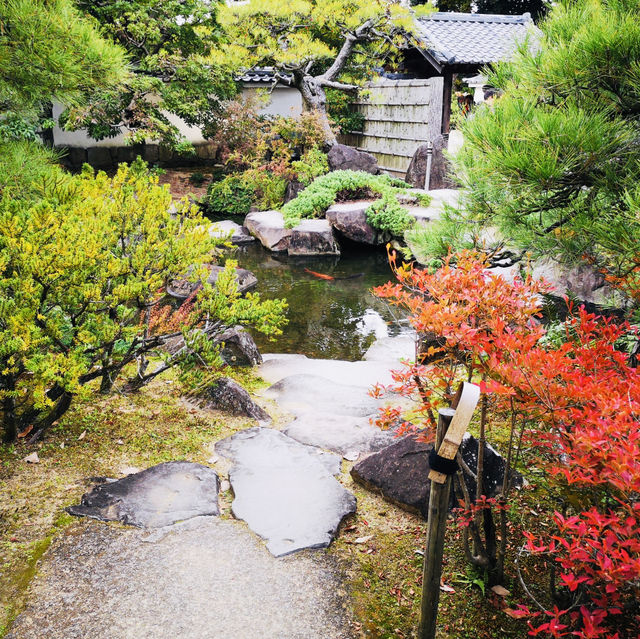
column 339, row 433
column 311, row 393
column 229, row 229
column 364, row 374
column 388, row 349
column 156, row 497
column 205, row 579
column 285, row 491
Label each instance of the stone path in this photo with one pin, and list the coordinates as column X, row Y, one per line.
column 286, row 491
column 205, row 579
column 210, row 578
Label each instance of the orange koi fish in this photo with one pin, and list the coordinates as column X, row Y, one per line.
column 322, row 276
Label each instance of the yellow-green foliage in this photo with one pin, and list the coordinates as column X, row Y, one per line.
column 79, row 271
column 311, row 29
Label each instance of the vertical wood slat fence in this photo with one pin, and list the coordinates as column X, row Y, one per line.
column 399, row 116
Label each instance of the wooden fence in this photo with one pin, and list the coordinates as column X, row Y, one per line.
column 399, row 116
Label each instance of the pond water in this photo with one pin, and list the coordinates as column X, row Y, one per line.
column 332, row 319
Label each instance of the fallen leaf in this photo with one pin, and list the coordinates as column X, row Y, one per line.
column 32, row 459
column 515, row 614
column 446, row 588
column 500, row 591
column 26, row 431
column 82, row 435
column 363, row 540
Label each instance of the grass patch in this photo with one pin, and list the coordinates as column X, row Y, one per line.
column 385, row 571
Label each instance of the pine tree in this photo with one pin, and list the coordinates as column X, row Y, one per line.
column 555, row 162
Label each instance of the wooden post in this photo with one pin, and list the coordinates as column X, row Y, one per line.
column 436, row 524
column 452, row 425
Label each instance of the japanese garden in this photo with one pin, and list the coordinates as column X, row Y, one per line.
column 319, row 319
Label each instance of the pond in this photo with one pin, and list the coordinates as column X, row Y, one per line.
column 330, row 319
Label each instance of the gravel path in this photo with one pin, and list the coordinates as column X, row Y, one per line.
column 203, row 579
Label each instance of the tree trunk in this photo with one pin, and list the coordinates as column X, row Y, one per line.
column 314, row 100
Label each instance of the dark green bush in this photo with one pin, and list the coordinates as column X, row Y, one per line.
column 385, row 214
column 230, row 196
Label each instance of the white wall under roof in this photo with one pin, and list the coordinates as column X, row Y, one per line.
column 282, row 101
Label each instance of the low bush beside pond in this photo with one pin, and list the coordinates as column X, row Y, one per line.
column 385, row 214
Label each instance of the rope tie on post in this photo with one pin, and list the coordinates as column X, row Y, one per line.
column 442, row 464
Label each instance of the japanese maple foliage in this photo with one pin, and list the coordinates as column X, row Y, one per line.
column 577, row 406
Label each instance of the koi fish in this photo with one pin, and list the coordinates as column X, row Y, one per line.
column 323, row 276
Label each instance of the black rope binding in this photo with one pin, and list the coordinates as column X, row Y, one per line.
column 442, row 464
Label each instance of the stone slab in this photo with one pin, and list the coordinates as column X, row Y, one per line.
column 205, row 579
column 181, row 289
column 339, row 433
column 229, row 229
column 158, row 496
column 365, row 374
column 389, row 349
column 306, row 393
column 285, row 491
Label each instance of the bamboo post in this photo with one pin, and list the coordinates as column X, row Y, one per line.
column 436, row 524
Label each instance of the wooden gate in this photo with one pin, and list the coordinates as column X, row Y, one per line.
column 399, row 116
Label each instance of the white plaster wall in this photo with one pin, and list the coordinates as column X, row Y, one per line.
column 83, row 140
column 282, row 100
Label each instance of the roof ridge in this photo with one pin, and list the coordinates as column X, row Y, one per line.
column 453, row 16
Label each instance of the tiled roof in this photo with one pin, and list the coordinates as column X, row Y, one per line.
column 471, row 38
column 258, row 74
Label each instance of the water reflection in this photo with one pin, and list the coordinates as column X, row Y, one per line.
column 337, row 318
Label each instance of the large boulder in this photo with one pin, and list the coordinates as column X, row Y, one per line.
column 342, row 157
column 182, row 288
column 312, row 237
column 240, row 348
column 308, row 238
column 294, row 188
column 227, row 395
column 580, row 281
column 350, row 219
column 156, row 497
column 284, row 490
column 400, row 472
column 440, row 169
column 268, row 227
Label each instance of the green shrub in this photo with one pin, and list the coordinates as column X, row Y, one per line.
column 311, row 165
column 342, row 113
column 385, row 214
column 388, row 215
column 230, row 196
column 197, row 178
column 268, row 188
